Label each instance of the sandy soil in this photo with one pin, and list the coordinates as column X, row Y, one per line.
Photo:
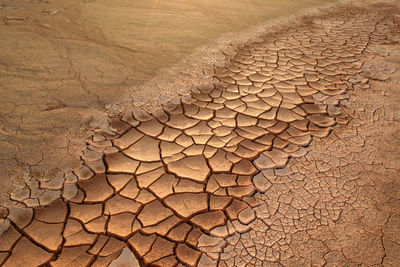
column 289, row 158
column 64, row 62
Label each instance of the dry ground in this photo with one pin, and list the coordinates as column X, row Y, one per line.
column 290, row 158
column 63, row 63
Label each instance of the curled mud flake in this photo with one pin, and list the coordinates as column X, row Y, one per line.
column 33, row 255
column 38, row 231
column 194, row 168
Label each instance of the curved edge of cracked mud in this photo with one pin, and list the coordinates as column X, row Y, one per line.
column 179, row 80
column 31, row 163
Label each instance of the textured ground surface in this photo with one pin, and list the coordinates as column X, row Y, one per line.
column 65, row 63
column 227, row 176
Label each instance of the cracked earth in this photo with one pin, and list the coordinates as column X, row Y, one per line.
column 290, row 158
column 90, row 58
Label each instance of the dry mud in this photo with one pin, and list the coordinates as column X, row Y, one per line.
column 289, row 158
column 63, row 63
